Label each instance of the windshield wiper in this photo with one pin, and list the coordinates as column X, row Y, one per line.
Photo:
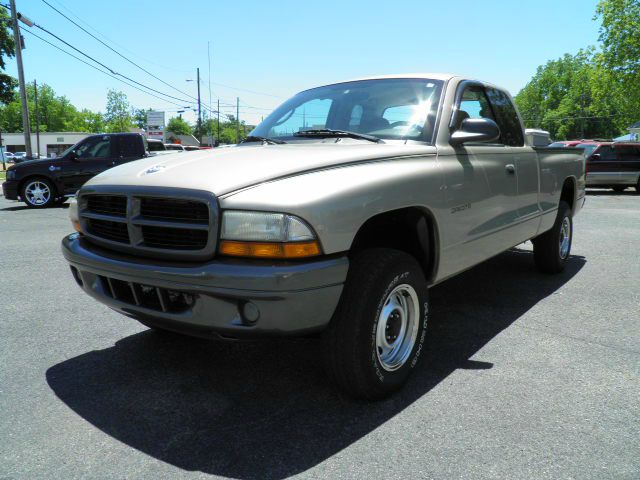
column 327, row 132
column 256, row 138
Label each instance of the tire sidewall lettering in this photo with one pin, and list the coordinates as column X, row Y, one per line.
column 380, row 373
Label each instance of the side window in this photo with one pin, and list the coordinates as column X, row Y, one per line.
column 474, row 104
column 95, row 147
column 628, row 153
column 130, row 146
column 606, row 154
column 507, row 118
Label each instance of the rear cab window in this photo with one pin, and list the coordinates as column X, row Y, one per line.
column 506, row 117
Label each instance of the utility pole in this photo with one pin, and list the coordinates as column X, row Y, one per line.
column 23, row 91
column 35, row 88
column 237, row 119
column 218, row 112
column 4, row 165
column 582, row 115
column 199, row 111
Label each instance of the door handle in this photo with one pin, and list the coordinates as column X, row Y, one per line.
column 510, row 168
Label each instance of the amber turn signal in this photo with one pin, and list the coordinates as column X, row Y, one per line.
column 76, row 226
column 269, row 250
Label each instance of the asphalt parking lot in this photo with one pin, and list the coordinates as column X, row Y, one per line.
column 526, row 376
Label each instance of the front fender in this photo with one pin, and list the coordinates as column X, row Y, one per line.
column 338, row 201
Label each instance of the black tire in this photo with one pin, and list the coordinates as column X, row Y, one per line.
column 638, row 186
column 42, row 202
column 619, row 189
column 547, row 252
column 352, row 358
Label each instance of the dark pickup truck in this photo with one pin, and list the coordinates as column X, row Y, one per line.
column 43, row 183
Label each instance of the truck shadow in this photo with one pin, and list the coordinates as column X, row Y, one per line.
column 265, row 409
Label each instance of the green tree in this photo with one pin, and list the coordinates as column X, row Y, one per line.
column 179, row 126
column 7, row 49
column 140, row 117
column 590, row 94
column 56, row 113
column 620, row 35
column 117, row 115
column 88, row 121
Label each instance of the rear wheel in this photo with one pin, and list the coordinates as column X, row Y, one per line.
column 638, row 186
column 619, row 189
column 551, row 249
column 377, row 333
column 38, row 193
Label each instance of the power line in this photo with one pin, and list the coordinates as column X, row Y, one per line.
column 115, row 51
column 107, row 67
column 117, row 44
column 99, row 70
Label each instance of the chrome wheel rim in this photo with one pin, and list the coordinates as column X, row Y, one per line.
column 565, row 237
column 397, row 328
column 37, row 193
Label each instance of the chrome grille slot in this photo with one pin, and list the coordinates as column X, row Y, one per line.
column 174, row 238
column 107, row 204
column 174, row 210
column 159, row 222
column 147, row 296
column 114, row 231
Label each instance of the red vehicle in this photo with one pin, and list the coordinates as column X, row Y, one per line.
column 613, row 165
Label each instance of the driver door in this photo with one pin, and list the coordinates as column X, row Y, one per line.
column 93, row 156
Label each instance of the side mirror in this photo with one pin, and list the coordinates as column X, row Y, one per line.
column 595, row 156
column 475, row 130
column 72, row 155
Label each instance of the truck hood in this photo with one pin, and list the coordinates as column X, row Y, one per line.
column 224, row 170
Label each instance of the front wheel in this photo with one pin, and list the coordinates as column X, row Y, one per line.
column 377, row 333
column 551, row 249
column 38, row 193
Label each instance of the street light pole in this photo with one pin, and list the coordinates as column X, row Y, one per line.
column 199, row 111
column 23, row 91
column 237, row 119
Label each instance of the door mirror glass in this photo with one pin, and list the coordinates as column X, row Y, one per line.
column 476, row 130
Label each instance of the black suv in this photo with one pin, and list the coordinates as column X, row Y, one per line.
column 42, row 183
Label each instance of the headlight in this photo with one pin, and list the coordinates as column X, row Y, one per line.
column 11, row 174
column 73, row 214
column 266, row 235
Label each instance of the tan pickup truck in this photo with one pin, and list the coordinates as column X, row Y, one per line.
column 334, row 217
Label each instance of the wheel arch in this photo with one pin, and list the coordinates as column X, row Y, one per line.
column 569, row 192
column 413, row 230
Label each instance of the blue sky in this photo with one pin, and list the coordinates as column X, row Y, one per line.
column 270, row 50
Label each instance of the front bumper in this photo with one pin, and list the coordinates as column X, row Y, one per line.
column 10, row 190
column 291, row 298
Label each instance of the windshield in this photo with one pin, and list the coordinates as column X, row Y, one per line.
column 386, row 108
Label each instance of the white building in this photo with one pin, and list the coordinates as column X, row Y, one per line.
column 51, row 143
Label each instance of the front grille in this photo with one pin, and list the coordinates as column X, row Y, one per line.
column 174, row 210
column 174, row 238
column 114, row 231
column 147, row 296
column 151, row 221
column 107, row 204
